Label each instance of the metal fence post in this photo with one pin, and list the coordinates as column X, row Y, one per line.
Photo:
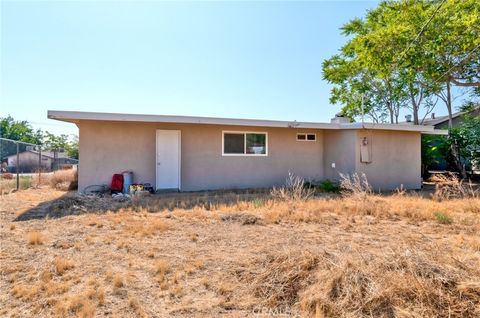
column 39, row 164
column 18, row 164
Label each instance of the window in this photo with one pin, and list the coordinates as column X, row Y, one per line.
column 244, row 144
column 306, row 137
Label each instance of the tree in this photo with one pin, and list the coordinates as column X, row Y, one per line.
column 57, row 142
column 16, row 130
column 382, row 94
column 421, row 46
column 72, row 148
column 432, row 151
column 19, row 130
column 452, row 44
column 464, row 139
column 23, row 131
column 368, row 63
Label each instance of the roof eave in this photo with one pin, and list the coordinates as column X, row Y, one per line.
column 76, row 117
column 396, row 127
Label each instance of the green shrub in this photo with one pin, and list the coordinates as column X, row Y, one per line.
column 258, row 203
column 328, row 185
column 442, row 218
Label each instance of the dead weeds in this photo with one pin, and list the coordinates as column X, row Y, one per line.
column 335, row 256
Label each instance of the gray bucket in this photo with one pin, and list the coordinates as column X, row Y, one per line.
column 127, row 181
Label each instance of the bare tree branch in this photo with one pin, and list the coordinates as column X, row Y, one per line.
column 463, row 84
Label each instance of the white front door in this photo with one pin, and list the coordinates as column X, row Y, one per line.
column 168, row 159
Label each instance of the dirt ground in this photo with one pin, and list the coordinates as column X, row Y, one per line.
column 248, row 259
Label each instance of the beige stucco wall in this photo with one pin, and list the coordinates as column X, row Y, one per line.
column 339, row 148
column 395, row 159
column 111, row 147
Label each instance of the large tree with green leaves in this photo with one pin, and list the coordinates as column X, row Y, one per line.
column 418, row 47
column 21, row 130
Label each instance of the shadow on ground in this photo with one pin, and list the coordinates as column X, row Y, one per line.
column 75, row 204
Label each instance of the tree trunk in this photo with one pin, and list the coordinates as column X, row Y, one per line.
column 456, row 158
column 448, row 102
column 390, row 111
column 454, row 147
column 414, row 105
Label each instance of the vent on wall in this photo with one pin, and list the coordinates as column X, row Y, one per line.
column 306, row 137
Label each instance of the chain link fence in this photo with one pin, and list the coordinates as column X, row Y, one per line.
column 25, row 165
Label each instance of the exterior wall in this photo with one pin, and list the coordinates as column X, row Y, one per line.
column 395, row 159
column 29, row 161
column 339, row 148
column 112, row 147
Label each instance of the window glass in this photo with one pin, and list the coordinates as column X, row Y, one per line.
column 233, row 143
column 256, row 144
column 301, row 136
column 311, row 137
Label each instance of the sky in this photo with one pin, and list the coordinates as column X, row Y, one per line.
column 221, row 59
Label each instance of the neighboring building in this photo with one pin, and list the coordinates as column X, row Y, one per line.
column 441, row 122
column 200, row 153
column 29, row 161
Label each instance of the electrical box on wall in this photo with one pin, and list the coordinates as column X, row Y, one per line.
column 365, row 156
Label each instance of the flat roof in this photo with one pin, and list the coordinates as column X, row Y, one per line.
column 76, row 117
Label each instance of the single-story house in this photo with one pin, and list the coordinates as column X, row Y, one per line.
column 202, row 153
column 30, row 161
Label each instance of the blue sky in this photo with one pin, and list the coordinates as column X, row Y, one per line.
column 224, row 59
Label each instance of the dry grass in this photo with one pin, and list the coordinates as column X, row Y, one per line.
column 398, row 283
column 62, row 265
column 8, row 185
column 64, row 179
column 293, row 190
column 134, row 303
column 398, row 255
column 35, row 238
column 118, row 281
column 451, row 187
column 162, row 267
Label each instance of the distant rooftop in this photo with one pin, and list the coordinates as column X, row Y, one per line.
column 442, row 119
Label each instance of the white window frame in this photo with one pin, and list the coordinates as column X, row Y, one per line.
column 244, row 154
column 306, row 137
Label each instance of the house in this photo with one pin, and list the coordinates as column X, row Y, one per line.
column 441, row 122
column 30, row 161
column 202, row 153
